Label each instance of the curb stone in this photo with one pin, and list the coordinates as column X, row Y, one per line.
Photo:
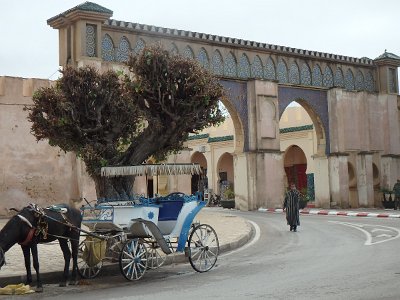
column 327, row 212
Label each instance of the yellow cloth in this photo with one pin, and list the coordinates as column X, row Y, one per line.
column 16, row 289
column 95, row 251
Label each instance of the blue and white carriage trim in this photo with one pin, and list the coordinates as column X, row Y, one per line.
column 141, row 232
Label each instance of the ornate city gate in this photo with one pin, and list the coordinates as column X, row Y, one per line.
column 353, row 102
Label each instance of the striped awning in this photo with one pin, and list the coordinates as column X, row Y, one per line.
column 152, row 170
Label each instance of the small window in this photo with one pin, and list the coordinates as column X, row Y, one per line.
column 392, row 81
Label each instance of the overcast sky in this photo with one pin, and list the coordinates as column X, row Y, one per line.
column 358, row 28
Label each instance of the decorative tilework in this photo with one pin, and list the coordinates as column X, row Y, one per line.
column 107, row 48
column 360, row 81
column 305, row 78
column 270, row 69
column 392, row 78
column 202, row 57
column 237, row 95
column 294, row 74
column 123, row 50
column 339, row 78
column 173, row 49
column 91, row 40
column 317, row 76
column 244, row 67
column 230, row 65
column 310, row 187
column 328, row 77
column 349, row 80
column 217, row 64
column 282, row 71
column 139, row 46
column 257, row 68
column 369, row 82
column 188, row 52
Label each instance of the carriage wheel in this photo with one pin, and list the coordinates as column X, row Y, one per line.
column 156, row 257
column 133, row 259
column 84, row 269
column 203, row 248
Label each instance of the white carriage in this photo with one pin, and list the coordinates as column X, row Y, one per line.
column 140, row 233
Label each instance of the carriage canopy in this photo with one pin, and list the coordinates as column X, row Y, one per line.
column 152, row 170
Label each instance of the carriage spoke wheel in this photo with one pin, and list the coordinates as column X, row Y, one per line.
column 84, row 269
column 156, row 257
column 203, row 246
column 133, row 259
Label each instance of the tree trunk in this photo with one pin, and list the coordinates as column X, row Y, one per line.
column 114, row 188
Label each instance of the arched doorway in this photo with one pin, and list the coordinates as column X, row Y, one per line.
column 295, row 164
column 199, row 182
column 353, row 192
column 225, row 172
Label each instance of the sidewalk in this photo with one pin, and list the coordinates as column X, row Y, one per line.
column 361, row 212
column 232, row 231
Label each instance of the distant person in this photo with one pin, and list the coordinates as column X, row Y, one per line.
column 396, row 191
column 291, row 206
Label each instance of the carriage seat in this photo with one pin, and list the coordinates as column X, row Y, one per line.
column 170, row 207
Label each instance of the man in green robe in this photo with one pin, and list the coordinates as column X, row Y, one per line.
column 291, row 206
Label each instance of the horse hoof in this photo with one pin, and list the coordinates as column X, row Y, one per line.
column 39, row 290
column 62, row 284
column 74, row 282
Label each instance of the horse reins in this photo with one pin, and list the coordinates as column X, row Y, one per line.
column 43, row 228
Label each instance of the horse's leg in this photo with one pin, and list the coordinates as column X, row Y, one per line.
column 35, row 258
column 74, row 248
column 67, row 258
column 27, row 259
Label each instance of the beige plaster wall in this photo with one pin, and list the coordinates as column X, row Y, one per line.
column 30, row 171
column 361, row 121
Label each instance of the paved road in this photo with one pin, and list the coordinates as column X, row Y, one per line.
column 328, row 258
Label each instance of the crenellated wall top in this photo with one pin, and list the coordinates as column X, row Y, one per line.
column 97, row 39
column 233, row 42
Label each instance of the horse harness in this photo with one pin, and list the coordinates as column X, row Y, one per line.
column 42, row 226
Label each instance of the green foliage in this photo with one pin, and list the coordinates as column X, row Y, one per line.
column 229, row 193
column 116, row 119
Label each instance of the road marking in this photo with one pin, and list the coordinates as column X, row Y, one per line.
column 369, row 236
column 255, row 239
column 383, row 235
column 379, row 229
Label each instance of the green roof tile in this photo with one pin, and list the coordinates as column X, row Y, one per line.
column 388, row 55
column 198, row 137
column 86, row 6
column 297, row 128
column 220, row 138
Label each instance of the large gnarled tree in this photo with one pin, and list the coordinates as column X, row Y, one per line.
column 116, row 119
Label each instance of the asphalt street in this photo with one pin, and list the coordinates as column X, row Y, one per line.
column 330, row 257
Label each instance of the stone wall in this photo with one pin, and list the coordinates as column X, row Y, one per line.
column 32, row 171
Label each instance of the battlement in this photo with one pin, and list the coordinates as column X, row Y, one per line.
column 18, row 90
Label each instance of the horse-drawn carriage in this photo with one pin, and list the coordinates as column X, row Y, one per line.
column 141, row 232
